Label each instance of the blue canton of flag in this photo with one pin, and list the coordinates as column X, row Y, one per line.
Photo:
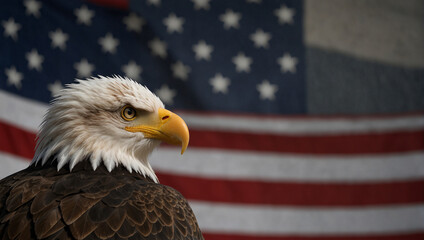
column 229, row 56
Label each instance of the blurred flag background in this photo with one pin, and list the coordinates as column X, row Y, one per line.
column 306, row 117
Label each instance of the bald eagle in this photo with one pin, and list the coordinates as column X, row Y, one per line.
column 90, row 177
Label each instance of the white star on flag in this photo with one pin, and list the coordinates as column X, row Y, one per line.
column 34, row 60
column 285, row 15
column 84, row 68
column 219, row 83
column 154, row 2
column 11, row 28
column 242, row 62
column 202, row 50
column 181, row 71
column 174, row 23
column 231, row 19
column 32, row 8
column 201, row 4
column 133, row 22
column 267, row 90
column 287, row 63
column 132, row 70
column 14, row 77
column 109, row 43
column 84, row 15
column 158, row 48
column 59, row 39
column 166, row 94
column 55, row 88
column 260, row 38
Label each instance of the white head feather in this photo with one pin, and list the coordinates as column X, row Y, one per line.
column 84, row 122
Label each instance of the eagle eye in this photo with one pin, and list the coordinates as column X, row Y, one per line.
column 128, row 113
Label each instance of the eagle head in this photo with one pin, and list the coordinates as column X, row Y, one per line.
column 109, row 120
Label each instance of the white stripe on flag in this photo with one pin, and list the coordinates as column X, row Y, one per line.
column 29, row 114
column 259, row 220
column 21, row 112
column 281, row 167
column 317, row 126
column 11, row 164
column 272, row 167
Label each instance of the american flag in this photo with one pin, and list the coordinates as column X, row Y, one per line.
column 306, row 117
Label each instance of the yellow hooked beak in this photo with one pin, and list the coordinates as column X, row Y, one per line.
column 166, row 126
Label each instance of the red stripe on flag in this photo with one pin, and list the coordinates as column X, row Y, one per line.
column 16, row 141
column 20, row 142
column 406, row 236
column 295, row 194
column 388, row 142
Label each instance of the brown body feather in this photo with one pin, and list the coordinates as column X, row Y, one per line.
column 41, row 203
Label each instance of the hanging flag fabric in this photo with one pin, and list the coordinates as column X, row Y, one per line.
column 306, row 117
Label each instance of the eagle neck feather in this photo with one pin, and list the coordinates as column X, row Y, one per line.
column 109, row 156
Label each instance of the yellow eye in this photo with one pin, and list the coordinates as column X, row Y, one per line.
column 128, row 113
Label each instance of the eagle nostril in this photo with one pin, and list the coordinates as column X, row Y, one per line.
column 165, row 117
